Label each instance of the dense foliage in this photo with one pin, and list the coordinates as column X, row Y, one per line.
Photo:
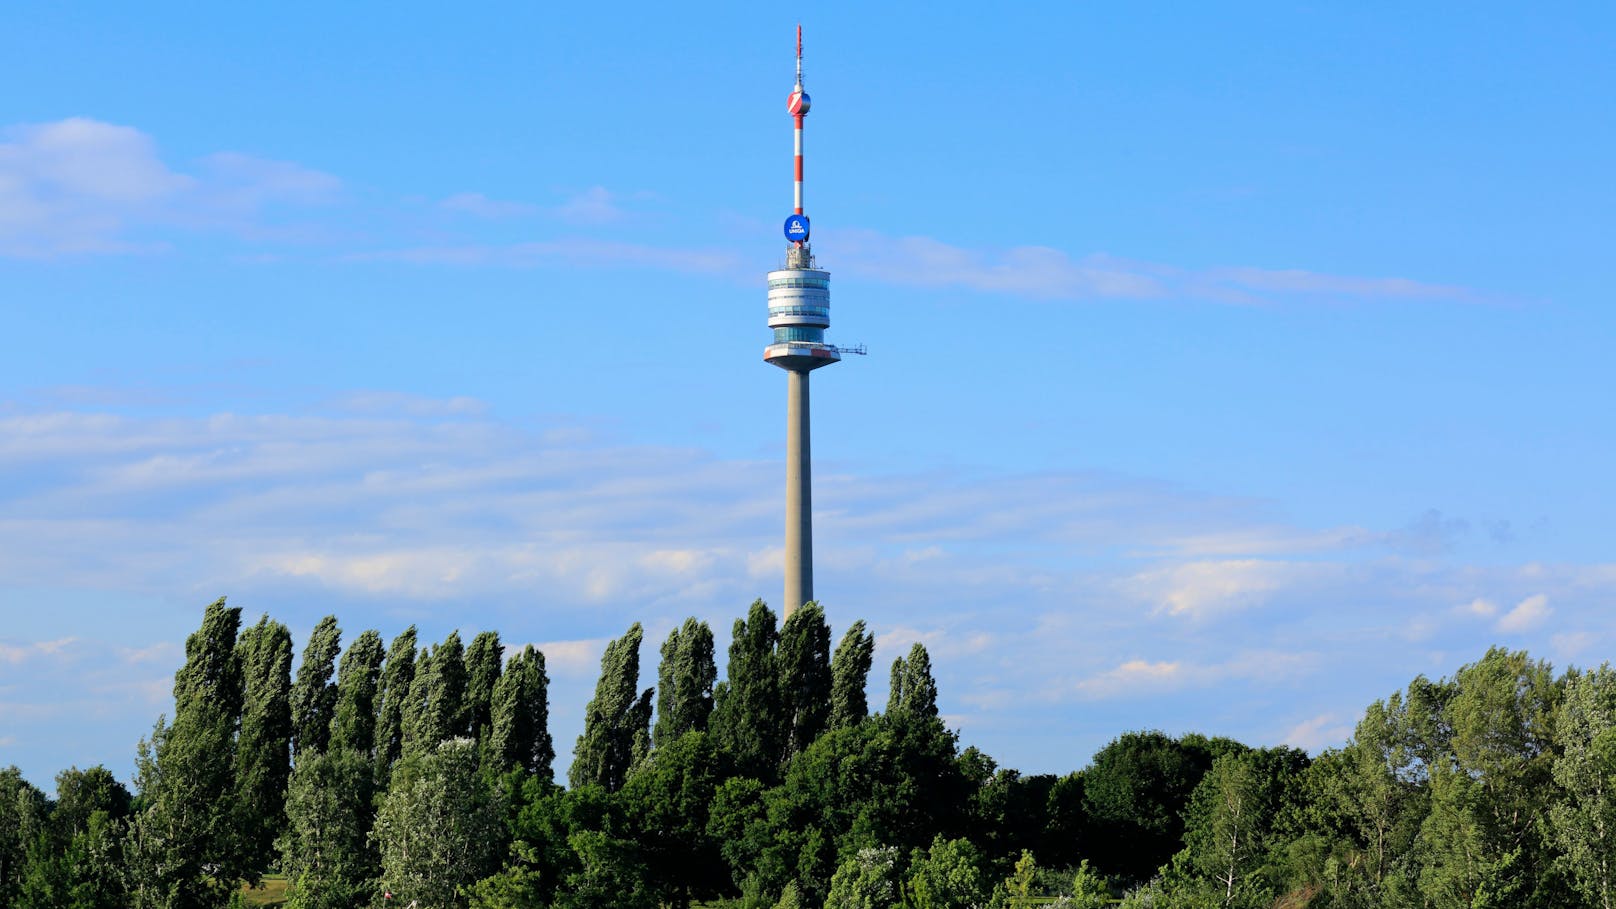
column 422, row 775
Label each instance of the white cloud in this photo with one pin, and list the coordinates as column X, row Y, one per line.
column 1205, row 588
column 1041, row 272
column 595, row 205
column 1571, row 644
column 81, row 186
column 580, row 658
column 483, row 207
column 1325, row 730
column 16, row 654
column 1480, row 607
column 1133, row 677
column 1527, row 614
column 162, row 651
column 569, row 251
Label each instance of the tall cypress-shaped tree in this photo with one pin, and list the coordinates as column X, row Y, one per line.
column 805, row 678
column 183, row 851
column 685, row 682
column 482, row 673
column 520, row 733
column 850, row 671
column 437, row 699
column 748, row 720
column 914, row 691
column 617, row 723
column 314, row 698
column 263, row 747
column 398, row 674
column 353, row 728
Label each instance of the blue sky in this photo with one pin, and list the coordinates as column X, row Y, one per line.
column 1228, row 368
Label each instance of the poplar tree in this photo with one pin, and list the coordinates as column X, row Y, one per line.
column 353, row 727
column 314, row 698
column 483, row 659
column 398, row 674
column 748, row 722
column 437, row 698
column 914, row 691
column 805, row 678
column 685, row 682
column 520, row 734
column 440, row 827
column 327, row 853
column 849, row 673
column 183, row 851
column 617, row 723
column 263, row 747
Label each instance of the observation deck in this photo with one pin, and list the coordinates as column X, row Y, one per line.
column 799, row 313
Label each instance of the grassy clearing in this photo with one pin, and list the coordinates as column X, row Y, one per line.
column 272, row 892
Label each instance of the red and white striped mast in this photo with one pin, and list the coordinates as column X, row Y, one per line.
column 798, row 106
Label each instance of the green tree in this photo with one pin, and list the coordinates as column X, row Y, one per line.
column 868, row 880
column 1365, row 806
column 947, row 876
column 890, row 781
column 398, row 675
column 81, row 793
column 326, row 853
column 264, row 741
column 314, row 698
column 616, row 723
column 913, row 688
column 849, row 673
column 521, row 717
column 437, row 697
column 667, row 803
column 23, row 814
column 1482, row 838
column 685, row 680
column 183, row 849
column 1017, row 890
column 353, row 727
column 1089, row 888
column 805, row 678
column 483, row 659
column 1134, row 794
column 748, row 720
column 93, row 859
column 1584, row 811
column 439, row 827
column 1229, row 815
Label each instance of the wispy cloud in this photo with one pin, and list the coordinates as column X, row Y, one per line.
column 482, row 206
column 1319, row 732
column 1047, row 273
column 595, row 205
column 1205, row 588
column 569, row 251
column 82, row 186
column 1527, row 615
column 20, row 653
column 1144, row 677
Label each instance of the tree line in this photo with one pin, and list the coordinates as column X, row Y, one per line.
column 408, row 773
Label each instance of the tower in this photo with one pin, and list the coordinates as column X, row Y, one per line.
column 799, row 313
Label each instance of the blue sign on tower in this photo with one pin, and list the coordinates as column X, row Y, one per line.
column 797, row 229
